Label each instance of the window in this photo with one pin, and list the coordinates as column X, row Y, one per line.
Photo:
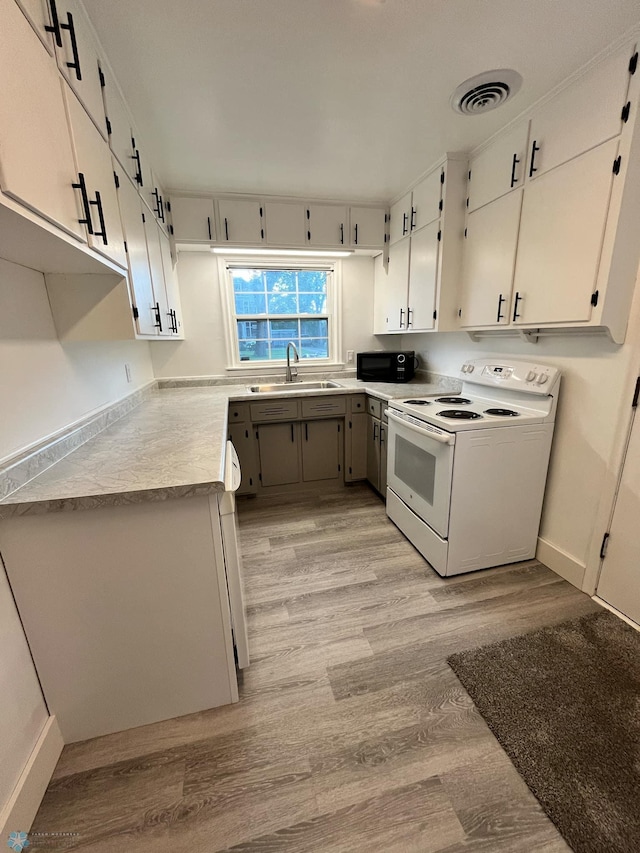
column 271, row 306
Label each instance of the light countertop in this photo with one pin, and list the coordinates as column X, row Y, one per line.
column 171, row 445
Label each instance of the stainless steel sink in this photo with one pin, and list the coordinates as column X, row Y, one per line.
column 294, row 387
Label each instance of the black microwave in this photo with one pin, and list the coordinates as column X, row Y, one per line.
column 381, row 366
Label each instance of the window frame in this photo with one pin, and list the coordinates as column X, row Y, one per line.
column 333, row 313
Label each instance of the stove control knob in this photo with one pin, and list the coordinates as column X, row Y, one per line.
column 544, row 377
column 531, row 375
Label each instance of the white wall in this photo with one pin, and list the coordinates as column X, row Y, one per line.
column 46, row 385
column 203, row 352
column 598, row 379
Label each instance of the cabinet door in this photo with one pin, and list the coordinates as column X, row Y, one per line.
column 367, row 227
column 240, row 221
column 36, row 158
column 94, row 163
column 154, row 249
column 326, row 225
column 279, row 453
column 581, row 116
column 488, row 261
column 138, row 258
column 243, row 438
column 373, row 451
column 118, row 124
column 192, row 219
column 78, row 59
column 174, row 312
column 397, row 283
column 499, row 168
column 321, row 450
column 425, row 203
column 37, row 11
column 356, row 447
column 285, row 223
column 564, row 214
column 400, row 222
column 423, row 277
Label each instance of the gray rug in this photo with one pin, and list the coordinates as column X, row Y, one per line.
column 564, row 702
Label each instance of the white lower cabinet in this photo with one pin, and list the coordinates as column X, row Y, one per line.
column 36, row 158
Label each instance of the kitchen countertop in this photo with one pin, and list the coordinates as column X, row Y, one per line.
column 171, row 445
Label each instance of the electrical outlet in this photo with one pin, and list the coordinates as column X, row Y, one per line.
column 349, row 356
column 127, row 370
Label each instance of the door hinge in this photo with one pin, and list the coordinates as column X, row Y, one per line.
column 135, row 312
column 262, row 234
column 633, row 63
column 594, row 298
column 260, row 213
column 440, row 204
column 260, row 476
column 625, row 112
column 171, row 230
column 350, row 469
column 350, row 425
column 616, row 165
column 108, row 123
column 339, row 467
column 101, row 77
column 167, row 204
column 435, row 315
column 469, row 175
column 251, row 481
column 143, row 219
column 603, row 547
column 339, row 427
column 116, row 180
column 465, row 233
column 439, row 235
column 126, row 248
column 636, row 394
column 442, row 177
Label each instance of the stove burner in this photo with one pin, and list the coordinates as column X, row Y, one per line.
column 418, row 402
column 459, row 414
column 502, row 413
column 457, row 401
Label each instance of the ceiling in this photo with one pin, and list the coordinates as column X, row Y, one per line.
column 332, row 98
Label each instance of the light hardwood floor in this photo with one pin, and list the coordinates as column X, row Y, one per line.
column 352, row 733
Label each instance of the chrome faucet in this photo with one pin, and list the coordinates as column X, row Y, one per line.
column 292, row 372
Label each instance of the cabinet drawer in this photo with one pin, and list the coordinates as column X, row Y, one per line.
column 238, row 413
column 374, row 406
column 322, row 406
column 358, row 403
column 274, row 410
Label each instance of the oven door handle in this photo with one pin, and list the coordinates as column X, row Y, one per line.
column 426, row 433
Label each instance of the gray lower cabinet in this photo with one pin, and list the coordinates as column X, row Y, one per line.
column 373, row 451
column 244, row 442
column 279, row 454
column 356, row 446
column 322, row 450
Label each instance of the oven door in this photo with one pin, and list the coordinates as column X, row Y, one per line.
column 420, row 468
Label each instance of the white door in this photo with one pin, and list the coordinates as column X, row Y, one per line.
column 285, row 223
column 326, row 225
column 240, row 221
column 400, row 222
column 139, row 271
column 157, row 274
column 192, row 219
column 118, row 124
column 499, row 168
column 423, row 277
column 619, row 583
column 396, row 289
column 36, row 159
column 564, row 214
column 488, row 261
column 425, row 203
column 367, row 227
column 174, row 313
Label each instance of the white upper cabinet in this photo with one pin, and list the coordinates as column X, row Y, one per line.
column 285, row 223
column 579, row 117
column 326, row 224
column 163, row 324
column 37, row 11
column 367, row 227
column 96, row 186
column 36, row 158
column 499, row 168
column 117, row 123
column 425, row 201
column 240, row 221
column 400, row 219
column 193, row 219
column 174, row 313
column 78, row 56
column 423, row 278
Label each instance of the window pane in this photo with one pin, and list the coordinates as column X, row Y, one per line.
column 247, row 281
column 314, row 328
column 284, row 329
column 282, row 303
column 281, row 281
column 314, row 348
column 313, row 303
column 312, row 281
column 279, row 348
column 250, row 303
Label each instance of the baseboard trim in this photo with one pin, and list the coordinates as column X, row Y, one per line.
column 616, row 612
column 19, row 812
column 561, row 563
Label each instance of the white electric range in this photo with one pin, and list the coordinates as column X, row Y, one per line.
column 466, row 472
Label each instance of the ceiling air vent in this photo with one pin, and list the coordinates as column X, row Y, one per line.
column 485, row 91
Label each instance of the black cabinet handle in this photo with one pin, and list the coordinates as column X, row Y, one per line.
column 356, row 232
column 55, row 25
column 82, row 186
column 173, row 322
column 382, row 439
column 409, row 320
column 405, row 219
column 534, row 148
column 160, row 207
column 74, row 46
column 292, row 438
column 413, row 218
column 515, row 306
column 138, row 175
column 375, row 430
column 342, row 233
column 226, row 228
column 209, row 226
column 500, row 316
column 401, row 316
column 103, row 231
column 514, row 180
column 158, row 323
